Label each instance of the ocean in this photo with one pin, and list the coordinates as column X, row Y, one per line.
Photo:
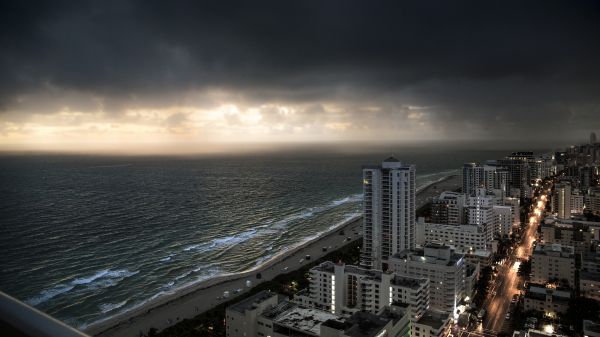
column 86, row 237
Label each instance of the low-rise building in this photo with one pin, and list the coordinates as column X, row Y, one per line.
column 549, row 300
column 345, row 289
column 553, row 262
column 469, row 237
column 266, row 314
column 432, row 324
column 444, row 269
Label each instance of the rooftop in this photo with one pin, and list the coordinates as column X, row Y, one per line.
column 433, row 319
column 364, row 324
column 304, row 319
column 252, row 301
column 409, row 282
column 554, row 249
column 445, row 255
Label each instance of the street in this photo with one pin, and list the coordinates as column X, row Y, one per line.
column 508, row 283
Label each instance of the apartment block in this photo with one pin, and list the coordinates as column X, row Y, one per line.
column 553, row 262
column 388, row 211
column 576, row 235
column 345, row 289
column 448, row 208
column 551, row 301
column 444, row 269
column 267, row 315
column 470, row 237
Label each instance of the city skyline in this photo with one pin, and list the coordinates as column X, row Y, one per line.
column 190, row 77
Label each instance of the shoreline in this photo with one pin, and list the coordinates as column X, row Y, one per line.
column 193, row 299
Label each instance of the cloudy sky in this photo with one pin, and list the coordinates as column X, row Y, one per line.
column 79, row 75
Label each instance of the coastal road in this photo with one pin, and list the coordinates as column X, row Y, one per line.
column 508, row 283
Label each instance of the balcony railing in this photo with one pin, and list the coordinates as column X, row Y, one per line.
column 19, row 319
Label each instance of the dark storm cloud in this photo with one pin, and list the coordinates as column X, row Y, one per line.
column 487, row 63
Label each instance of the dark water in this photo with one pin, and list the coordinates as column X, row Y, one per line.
column 86, row 237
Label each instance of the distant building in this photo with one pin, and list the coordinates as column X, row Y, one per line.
column 517, row 165
column 388, row 211
column 553, row 262
column 472, row 178
column 561, row 200
column 444, row 268
column 593, row 138
column 448, row 208
column 491, row 176
column 592, row 200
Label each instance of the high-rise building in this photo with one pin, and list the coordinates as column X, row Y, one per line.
column 490, row 176
column 561, row 200
column 479, row 210
column 593, row 138
column 517, row 165
column 472, row 178
column 448, row 208
column 388, row 211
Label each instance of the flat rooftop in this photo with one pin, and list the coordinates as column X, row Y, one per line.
column 409, row 282
column 364, row 324
column 329, row 266
column 252, row 301
column 418, row 255
column 305, row 319
column 433, row 319
column 554, row 249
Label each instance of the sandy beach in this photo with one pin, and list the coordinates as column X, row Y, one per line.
column 193, row 300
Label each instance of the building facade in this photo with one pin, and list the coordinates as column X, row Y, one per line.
column 444, row 268
column 388, row 211
column 553, row 262
column 346, row 289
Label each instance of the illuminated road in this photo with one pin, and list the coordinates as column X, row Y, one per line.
column 507, row 283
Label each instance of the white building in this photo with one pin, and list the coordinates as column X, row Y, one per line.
column 442, row 266
column 470, row 237
column 389, row 211
column 503, row 219
column 479, row 210
column 345, row 289
column 267, row 315
column 553, row 262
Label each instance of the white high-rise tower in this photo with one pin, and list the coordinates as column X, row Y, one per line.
column 389, row 211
